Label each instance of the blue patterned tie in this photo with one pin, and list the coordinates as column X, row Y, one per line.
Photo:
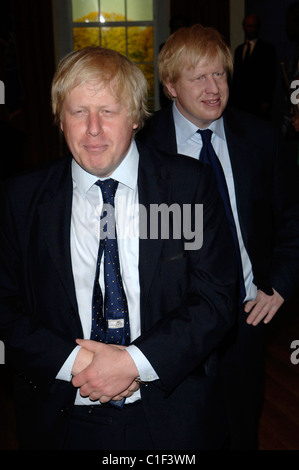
column 208, row 155
column 110, row 322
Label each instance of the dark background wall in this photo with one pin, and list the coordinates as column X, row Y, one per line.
column 207, row 12
column 28, row 136
column 272, row 14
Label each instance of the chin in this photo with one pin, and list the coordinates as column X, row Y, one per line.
column 214, row 114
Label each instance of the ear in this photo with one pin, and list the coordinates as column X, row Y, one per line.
column 171, row 88
column 135, row 125
column 61, row 126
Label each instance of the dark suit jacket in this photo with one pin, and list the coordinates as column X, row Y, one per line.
column 254, row 80
column 187, row 302
column 266, row 193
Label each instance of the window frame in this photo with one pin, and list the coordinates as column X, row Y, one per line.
column 63, row 31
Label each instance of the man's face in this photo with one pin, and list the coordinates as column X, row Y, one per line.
column 251, row 27
column 202, row 92
column 97, row 128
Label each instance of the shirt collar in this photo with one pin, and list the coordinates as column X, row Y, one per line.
column 126, row 173
column 251, row 41
column 185, row 129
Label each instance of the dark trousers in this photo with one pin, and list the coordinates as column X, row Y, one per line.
column 106, row 428
column 242, row 366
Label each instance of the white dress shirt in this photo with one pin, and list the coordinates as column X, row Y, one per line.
column 85, row 235
column 189, row 143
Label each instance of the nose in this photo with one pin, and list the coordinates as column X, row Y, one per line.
column 94, row 127
column 211, row 85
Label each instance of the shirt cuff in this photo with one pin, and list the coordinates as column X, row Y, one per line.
column 146, row 372
column 65, row 372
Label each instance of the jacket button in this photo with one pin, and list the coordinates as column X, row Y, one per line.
column 64, row 409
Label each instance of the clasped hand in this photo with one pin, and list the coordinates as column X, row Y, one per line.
column 104, row 372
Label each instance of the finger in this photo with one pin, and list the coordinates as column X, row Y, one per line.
column 127, row 393
column 265, row 316
column 105, row 399
column 134, row 387
column 83, row 392
column 270, row 315
column 118, row 346
column 88, row 344
column 93, row 397
column 118, row 397
column 256, row 315
column 249, row 305
column 257, row 306
column 258, row 318
column 86, row 389
column 79, row 380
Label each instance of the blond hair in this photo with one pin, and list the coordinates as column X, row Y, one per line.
column 105, row 67
column 186, row 47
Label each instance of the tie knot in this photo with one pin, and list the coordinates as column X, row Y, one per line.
column 206, row 135
column 108, row 188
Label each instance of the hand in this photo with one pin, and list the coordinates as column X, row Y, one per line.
column 83, row 359
column 263, row 307
column 125, row 394
column 110, row 375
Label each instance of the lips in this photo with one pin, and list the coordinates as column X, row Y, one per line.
column 212, row 102
column 95, row 148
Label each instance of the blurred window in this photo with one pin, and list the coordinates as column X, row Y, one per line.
column 126, row 26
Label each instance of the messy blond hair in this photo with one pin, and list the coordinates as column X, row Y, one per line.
column 105, row 67
column 186, row 47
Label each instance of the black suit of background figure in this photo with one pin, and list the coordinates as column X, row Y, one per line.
column 254, row 71
column 290, row 118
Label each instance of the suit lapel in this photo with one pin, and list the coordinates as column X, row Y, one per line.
column 55, row 217
column 164, row 136
column 153, row 189
column 240, row 153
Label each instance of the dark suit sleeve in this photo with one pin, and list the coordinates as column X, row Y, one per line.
column 285, row 260
column 271, row 221
column 266, row 185
column 195, row 292
column 34, row 348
